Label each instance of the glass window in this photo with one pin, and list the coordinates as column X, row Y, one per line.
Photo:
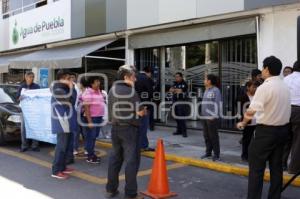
column 13, row 7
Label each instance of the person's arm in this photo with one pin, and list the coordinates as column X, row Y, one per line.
column 87, row 111
column 257, row 105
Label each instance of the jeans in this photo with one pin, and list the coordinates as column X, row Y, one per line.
column 125, row 149
column 81, row 131
column 211, row 136
column 143, row 129
column 63, row 145
column 267, row 145
column 25, row 141
column 294, row 166
column 91, row 135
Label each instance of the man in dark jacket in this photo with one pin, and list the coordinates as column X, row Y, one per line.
column 28, row 84
column 63, row 121
column 144, row 88
column 124, row 113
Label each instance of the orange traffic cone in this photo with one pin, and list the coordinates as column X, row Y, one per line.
column 159, row 186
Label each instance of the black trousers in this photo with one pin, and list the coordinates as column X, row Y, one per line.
column 63, row 145
column 125, row 149
column 181, row 110
column 287, row 148
column 247, row 136
column 211, row 136
column 266, row 146
column 294, row 166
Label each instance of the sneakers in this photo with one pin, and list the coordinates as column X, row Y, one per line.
column 216, row 158
column 60, row 176
column 75, row 152
column 93, row 160
column 206, row 156
column 111, row 194
column 68, row 171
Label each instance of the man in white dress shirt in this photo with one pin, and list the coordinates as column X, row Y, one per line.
column 293, row 82
column 271, row 104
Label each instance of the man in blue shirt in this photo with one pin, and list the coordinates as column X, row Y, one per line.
column 210, row 112
column 27, row 84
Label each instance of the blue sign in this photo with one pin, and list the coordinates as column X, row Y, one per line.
column 44, row 77
column 36, row 108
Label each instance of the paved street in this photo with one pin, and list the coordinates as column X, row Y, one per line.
column 27, row 176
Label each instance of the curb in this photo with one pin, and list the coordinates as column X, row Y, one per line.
column 219, row 167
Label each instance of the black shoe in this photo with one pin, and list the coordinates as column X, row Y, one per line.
column 23, row 150
column 206, row 156
column 284, row 168
column 112, row 194
column 148, row 149
column 216, row 158
column 71, row 161
column 138, row 196
column 36, row 149
column 177, row 133
column 93, row 160
column 184, row 135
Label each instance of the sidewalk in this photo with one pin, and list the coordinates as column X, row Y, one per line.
column 194, row 146
column 189, row 150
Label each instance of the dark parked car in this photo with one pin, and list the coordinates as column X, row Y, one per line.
column 10, row 114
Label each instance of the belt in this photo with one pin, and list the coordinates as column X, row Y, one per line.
column 295, row 106
column 272, row 126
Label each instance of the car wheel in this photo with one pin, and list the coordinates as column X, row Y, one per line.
column 2, row 138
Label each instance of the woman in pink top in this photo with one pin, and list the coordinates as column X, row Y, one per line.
column 94, row 107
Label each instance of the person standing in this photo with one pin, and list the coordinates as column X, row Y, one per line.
column 293, row 82
column 179, row 91
column 210, row 111
column 144, row 88
column 248, row 131
column 28, row 84
column 94, row 107
column 124, row 114
column 63, row 100
column 271, row 104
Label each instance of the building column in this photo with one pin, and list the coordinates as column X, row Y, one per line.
column 129, row 53
column 162, row 78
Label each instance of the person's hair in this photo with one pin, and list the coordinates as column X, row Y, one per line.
column 147, row 69
column 124, row 71
column 213, row 79
column 29, row 73
column 62, row 73
column 92, row 79
column 179, row 73
column 255, row 72
column 253, row 83
column 73, row 74
column 274, row 65
column 296, row 66
column 288, row 67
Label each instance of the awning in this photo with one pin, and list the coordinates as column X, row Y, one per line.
column 5, row 59
column 59, row 57
column 193, row 33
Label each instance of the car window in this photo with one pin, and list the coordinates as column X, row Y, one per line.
column 8, row 94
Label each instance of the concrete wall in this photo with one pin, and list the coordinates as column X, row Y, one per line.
column 252, row 4
column 95, row 17
column 116, row 15
column 78, row 19
column 278, row 35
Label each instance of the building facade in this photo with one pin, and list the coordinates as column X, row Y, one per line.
column 228, row 38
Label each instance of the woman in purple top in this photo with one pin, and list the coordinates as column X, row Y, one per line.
column 94, row 108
